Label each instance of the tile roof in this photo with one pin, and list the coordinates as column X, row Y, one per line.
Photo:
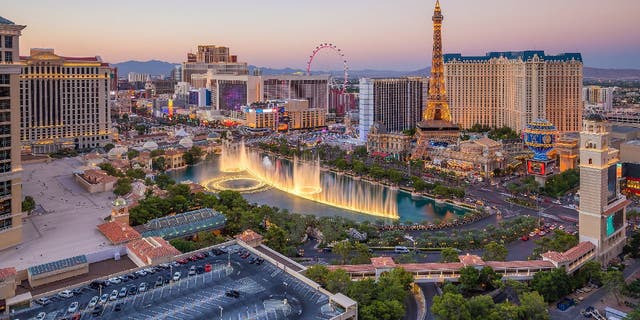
column 152, row 248
column 570, row 255
column 520, row 264
column 7, row 272
column 471, row 260
column 354, row 268
column 383, row 262
column 118, row 232
column 248, row 236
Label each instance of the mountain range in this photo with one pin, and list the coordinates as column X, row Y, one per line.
column 155, row 67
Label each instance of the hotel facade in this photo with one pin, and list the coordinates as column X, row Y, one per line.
column 514, row 88
column 64, row 102
column 10, row 167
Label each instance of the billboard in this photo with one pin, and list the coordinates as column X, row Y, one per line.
column 614, row 222
column 232, row 96
column 539, row 168
column 612, row 183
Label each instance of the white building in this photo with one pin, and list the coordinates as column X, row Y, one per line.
column 138, row 77
column 596, row 98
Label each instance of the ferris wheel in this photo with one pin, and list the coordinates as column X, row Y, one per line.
column 332, row 47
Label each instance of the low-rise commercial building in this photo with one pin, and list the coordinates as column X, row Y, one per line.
column 395, row 144
column 284, row 115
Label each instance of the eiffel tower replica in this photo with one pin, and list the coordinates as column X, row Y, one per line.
column 436, row 126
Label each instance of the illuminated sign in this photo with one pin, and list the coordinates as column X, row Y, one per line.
column 534, row 167
column 614, row 222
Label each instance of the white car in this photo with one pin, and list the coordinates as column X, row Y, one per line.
column 176, row 276
column 73, row 307
column 142, row 287
column 141, row 273
column 94, row 301
column 65, row 294
column 114, row 295
column 104, row 298
column 115, row 280
column 41, row 316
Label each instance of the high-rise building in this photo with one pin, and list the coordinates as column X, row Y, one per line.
column 138, row 77
column 64, row 102
column 341, row 103
column 436, row 124
column 314, row 88
column 515, row 88
column 10, row 167
column 597, row 98
column 396, row 103
column 602, row 207
column 211, row 58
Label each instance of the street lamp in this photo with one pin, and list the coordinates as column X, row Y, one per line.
column 285, row 288
column 220, row 311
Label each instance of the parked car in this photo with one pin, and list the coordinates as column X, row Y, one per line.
column 199, row 255
column 182, row 261
column 199, row 270
column 142, row 287
column 132, row 290
column 176, row 276
column 41, row 316
column 115, row 280
column 98, row 283
column 192, row 271
column 207, row 267
column 104, row 298
column 65, row 294
column 73, row 307
column 123, row 292
column 159, row 281
column 43, row 301
column 113, row 295
column 524, row 238
column 117, row 307
column 93, row 302
column 141, row 273
column 97, row 310
column 193, row 258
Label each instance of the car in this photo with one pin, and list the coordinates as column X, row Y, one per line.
column 182, row 261
column 41, row 316
column 98, row 283
column 97, row 310
column 199, row 270
column 524, row 238
column 232, row 293
column 246, row 255
column 217, row 251
column 193, row 258
column 132, row 276
column 115, row 280
column 113, row 295
column 159, row 281
column 43, row 301
column 123, row 292
column 192, row 271
column 207, row 267
column 142, row 287
column 205, row 254
column 532, row 234
column 176, row 276
column 164, row 266
column 132, row 290
column 167, row 279
column 73, row 307
column 141, row 273
column 175, row 264
column 93, row 302
column 77, row 291
column 200, row 255
column 65, row 294
column 104, row 298
column 117, row 307
column 542, row 233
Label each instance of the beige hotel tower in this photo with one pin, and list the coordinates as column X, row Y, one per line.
column 602, row 206
column 10, row 168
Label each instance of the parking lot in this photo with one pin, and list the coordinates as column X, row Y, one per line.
column 262, row 291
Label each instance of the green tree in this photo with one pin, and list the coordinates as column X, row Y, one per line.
column 110, row 169
column 450, row 306
column 157, row 153
column 142, row 129
column 132, row 154
column 494, row 251
column 360, row 152
column 184, row 245
column 613, row 282
column 276, row 238
column 318, row 273
column 343, row 250
column 122, row 187
column 359, row 167
column 481, row 306
column 505, row 311
column 488, row 278
column 28, row 204
column 560, row 241
column 449, row 255
column 342, row 164
column 395, row 176
column 552, row 285
column 383, row 310
column 633, row 247
column 136, row 174
column 337, row 281
column 591, row 271
column 533, row 307
column 362, row 291
column 159, row 164
column 107, row 147
column 469, row 278
column 163, row 181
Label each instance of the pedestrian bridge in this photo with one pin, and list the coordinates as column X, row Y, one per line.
column 571, row 260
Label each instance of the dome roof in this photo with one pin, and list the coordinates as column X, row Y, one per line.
column 150, row 145
column 186, row 143
column 119, row 202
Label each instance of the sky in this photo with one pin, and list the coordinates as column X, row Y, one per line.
column 373, row 34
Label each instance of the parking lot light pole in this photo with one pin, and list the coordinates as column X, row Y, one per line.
column 228, row 258
column 220, row 311
column 285, row 288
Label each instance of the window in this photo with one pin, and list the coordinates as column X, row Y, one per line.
column 5, row 91
column 4, row 79
column 8, row 56
column 8, row 41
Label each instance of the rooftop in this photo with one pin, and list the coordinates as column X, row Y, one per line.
column 184, row 224
column 7, row 272
column 5, row 21
column 57, row 265
column 513, row 55
column 118, row 232
column 152, row 248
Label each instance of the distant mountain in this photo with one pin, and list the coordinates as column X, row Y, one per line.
column 611, row 74
column 152, row 67
column 155, row 67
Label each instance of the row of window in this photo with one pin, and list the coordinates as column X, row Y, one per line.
column 59, row 69
column 8, row 41
column 5, row 188
column 6, row 56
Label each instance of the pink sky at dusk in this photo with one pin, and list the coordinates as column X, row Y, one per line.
column 374, row 34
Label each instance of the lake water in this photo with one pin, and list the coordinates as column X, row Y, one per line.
column 408, row 208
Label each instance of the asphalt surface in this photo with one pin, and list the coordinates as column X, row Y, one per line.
column 262, row 290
